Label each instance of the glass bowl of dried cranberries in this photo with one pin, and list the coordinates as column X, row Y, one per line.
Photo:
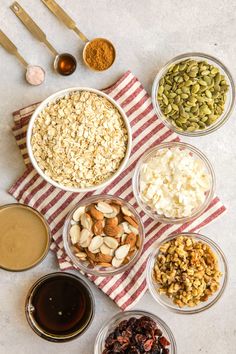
column 135, row 332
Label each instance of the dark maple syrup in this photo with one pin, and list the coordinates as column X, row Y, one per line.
column 61, row 306
column 65, row 64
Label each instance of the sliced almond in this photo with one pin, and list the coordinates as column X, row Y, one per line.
column 138, row 242
column 131, row 221
column 113, row 230
column 116, row 262
column 78, row 213
column 126, row 227
column 96, row 243
column 112, row 221
column 104, row 264
column 122, row 251
column 106, row 250
column 123, row 238
column 75, row 234
column 131, row 239
column 104, row 208
column 73, row 222
column 85, row 238
column 111, row 242
column 86, row 221
column 96, row 214
column 126, row 211
column 81, row 255
column 133, row 229
column 97, row 250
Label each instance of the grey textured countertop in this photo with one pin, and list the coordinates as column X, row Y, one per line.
column 146, row 35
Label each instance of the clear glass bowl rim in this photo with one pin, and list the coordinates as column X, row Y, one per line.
column 175, row 308
column 122, row 315
column 226, row 114
column 75, row 259
column 37, row 329
column 192, row 149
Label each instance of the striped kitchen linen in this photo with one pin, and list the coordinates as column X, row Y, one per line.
column 147, row 131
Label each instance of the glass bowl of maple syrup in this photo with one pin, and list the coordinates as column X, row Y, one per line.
column 59, row 307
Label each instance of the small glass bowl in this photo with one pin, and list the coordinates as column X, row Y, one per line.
column 136, row 182
column 121, row 316
column 164, row 300
column 229, row 105
column 97, row 270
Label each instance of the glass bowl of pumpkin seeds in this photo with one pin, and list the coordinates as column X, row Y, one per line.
column 193, row 94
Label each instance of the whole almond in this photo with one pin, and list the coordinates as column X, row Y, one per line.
column 104, row 207
column 131, row 221
column 112, row 221
column 120, row 218
column 122, row 251
column 96, row 214
column 95, row 244
column 112, row 230
column 104, row 258
column 79, row 211
column 86, row 221
column 91, row 256
column 98, row 227
column 104, row 264
column 74, row 234
column 111, row 242
column 131, row 239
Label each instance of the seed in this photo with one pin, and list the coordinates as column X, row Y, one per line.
column 191, row 93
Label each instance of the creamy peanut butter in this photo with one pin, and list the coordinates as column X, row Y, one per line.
column 24, row 237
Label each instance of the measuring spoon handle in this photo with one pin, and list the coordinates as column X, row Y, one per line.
column 64, row 17
column 32, row 26
column 11, row 48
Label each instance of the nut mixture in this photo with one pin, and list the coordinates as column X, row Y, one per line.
column 187, row 271
column 192, row 94
column 80, row 140
column 104, row 234
column 136, row 336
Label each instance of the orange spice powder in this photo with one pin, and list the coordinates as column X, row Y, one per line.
column 99, row 54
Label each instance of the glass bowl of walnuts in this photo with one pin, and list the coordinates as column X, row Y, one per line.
column 145, row 333
column 103, row 235
column 187, row 273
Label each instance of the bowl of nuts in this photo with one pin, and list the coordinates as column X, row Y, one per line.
column 103, row 235
column 173, row 182
column 135, row 332
column 187, row 273
column 193, row 94
column 79, row 139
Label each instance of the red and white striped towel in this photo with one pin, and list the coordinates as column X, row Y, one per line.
column 147, row 130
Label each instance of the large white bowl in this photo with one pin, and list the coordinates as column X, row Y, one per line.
column 53, row 98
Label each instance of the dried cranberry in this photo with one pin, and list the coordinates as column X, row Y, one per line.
column 166, row 351
column 164, row 342
column 140, row 338
column 147, row 346
column 158, row 332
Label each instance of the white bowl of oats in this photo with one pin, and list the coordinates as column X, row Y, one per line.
column 79, row 139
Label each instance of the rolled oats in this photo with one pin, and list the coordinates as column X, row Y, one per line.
column 80, row 140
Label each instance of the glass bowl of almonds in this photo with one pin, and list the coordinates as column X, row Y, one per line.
column 193, row 94
column 187, row 273
column 174, row 182
column 103, row 235
column 135, row 332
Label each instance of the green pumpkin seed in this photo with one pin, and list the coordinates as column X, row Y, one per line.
column 192, row 94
